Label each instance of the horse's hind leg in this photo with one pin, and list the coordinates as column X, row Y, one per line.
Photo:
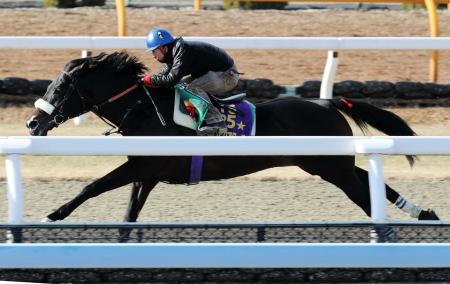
column 121, row 176
column 339, row 171
column 394, row 197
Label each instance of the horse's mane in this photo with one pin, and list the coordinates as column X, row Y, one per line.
column 122, row 62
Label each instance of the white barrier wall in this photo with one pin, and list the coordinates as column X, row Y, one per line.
column 225, row 255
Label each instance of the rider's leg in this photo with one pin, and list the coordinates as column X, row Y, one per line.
column 216, row 83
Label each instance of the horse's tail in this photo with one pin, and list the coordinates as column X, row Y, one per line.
column 385, row 121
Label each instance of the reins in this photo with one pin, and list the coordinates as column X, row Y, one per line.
column 161, row 118
column 118, row 96
column 96, row 108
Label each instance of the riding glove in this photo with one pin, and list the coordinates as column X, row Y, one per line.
column 147, row 80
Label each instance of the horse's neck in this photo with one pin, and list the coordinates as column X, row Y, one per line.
column 163, row 104
column 163, row 99
column 111, row 117
column 115, row 110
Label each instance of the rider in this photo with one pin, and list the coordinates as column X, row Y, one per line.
column 203, row 67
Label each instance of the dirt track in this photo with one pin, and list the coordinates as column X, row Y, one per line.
column 227, row 201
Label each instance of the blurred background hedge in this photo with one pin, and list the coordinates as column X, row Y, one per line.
column 72, row 3
column 232, row 4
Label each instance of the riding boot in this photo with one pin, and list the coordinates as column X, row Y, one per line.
column 214, row 124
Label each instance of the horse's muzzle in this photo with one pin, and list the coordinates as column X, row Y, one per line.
column 37, row 129
column 32, row 124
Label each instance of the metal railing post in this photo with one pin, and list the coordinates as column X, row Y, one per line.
column 326, row 88
column 377, row 188
column 434, row 31
column 197, row 5
column 15, row 190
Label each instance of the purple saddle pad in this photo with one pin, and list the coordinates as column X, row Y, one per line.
column 240, row 119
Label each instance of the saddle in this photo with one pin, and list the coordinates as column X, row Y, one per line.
column 190, row 110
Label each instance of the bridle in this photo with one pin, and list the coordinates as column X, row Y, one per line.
column 60, row 118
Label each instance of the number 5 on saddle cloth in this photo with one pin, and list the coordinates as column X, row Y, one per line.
column 190, row 111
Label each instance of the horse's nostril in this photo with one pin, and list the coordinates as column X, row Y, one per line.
column 58, row 119
column 32, row 124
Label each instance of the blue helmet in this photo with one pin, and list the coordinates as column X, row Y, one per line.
column 158, row 37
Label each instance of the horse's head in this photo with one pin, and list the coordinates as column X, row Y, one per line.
column 84, row 85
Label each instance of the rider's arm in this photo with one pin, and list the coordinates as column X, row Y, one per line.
column 147, row 79
column 179, row 69
column 164, row 70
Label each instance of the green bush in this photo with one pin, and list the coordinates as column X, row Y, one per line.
column 231, row 4
column 72, row 3
column 408, row 7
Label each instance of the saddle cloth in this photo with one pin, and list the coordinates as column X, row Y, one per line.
column 239, row 116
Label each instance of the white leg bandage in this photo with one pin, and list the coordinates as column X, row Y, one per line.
column 408, row 207
column 44, row 106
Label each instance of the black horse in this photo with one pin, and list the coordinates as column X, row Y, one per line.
column 97, row 84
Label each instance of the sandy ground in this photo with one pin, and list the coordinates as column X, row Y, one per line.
column 227, row 201
column 284, row 194
column 282, row 66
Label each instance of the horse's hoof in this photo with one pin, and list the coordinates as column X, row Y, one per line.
column 9, row 237
column 428, row 215
column 13, row 236
column 47, row 220
column 383, row 234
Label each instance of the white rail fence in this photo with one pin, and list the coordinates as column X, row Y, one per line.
column 221, row 255
column 318, row 43
column 375, row 147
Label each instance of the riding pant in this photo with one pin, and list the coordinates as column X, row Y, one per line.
column 216, row 83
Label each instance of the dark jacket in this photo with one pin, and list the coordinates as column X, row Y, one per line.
column 191, row 58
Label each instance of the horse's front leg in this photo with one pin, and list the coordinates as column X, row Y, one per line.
column 121, row 176
column 139, row 194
